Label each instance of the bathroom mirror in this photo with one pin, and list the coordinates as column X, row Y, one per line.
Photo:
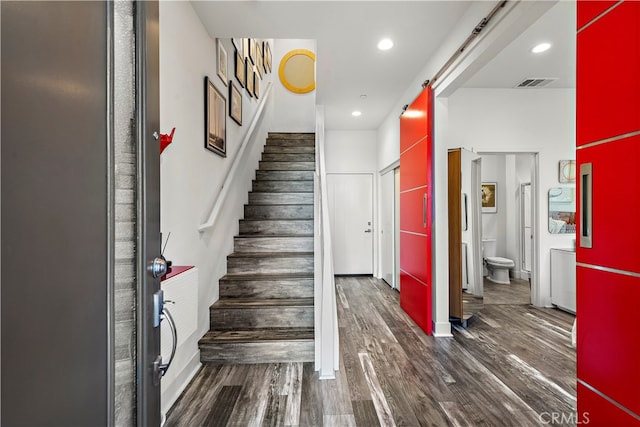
column 562, row 210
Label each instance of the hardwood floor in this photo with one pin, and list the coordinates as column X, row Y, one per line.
column 513, row 366
column 518, row 292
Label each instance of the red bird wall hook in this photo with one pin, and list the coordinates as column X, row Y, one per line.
column 165, row 140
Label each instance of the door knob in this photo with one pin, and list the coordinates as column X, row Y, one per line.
column 367, row 231
column 159, row 266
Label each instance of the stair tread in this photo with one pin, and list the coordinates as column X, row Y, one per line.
column 269, row 254
column 262, row 302
column 269, row 236
column 281, row 193
column 267, row 277
column 271, row 220
column 257, row 335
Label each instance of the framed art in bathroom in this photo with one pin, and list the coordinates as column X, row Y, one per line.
column 489, row 197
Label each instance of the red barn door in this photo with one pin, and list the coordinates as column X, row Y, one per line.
column 416, row 139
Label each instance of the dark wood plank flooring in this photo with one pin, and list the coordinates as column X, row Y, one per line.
column 518, row 292
column 513, row 363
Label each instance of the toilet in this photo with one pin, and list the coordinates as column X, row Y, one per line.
column 497, row 267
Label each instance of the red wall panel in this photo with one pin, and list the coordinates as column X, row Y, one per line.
column 607, row 92
column 608, row 87
column 415, row 121
column 415, row 299
column 589, row 9
column 415, row 256
column 608, row 334
column 412, row 203
column 594, row 410
column 414, row 165
column 615, row 204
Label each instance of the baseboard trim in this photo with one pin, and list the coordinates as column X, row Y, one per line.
column 442, row 330
column 175, row 389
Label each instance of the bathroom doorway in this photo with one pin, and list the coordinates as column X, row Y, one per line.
column 508, row 230
column 526, row 236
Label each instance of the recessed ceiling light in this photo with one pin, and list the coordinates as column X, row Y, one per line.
column 385, row 44
column 356, row 113
column 541, row 47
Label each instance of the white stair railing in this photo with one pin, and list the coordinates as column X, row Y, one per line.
column 326, row 313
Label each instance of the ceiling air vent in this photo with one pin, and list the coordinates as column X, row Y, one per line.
column 535, row 82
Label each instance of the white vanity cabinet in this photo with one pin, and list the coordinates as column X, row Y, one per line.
column 563, row 278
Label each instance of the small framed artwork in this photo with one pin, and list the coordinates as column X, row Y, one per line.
column 246, row 43
column 252, row 50
column 567, row 172
column 215, row 119
column 267, row 56
column 266, row 52
column 237, row 43
column 489, row 197
column 250, row 80
column 256, row 83
column 241, row 70
column 222, row 62
column 259, row 65
column 235, row 103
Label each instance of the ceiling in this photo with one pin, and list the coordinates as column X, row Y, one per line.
column 516, row 62
column 350, row 65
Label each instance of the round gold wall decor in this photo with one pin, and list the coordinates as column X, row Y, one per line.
column 298, row 71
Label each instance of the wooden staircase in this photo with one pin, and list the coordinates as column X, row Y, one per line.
column 265, row 312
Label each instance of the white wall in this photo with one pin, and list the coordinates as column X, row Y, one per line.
column 509, row 171
column 389, row 130
column 190, row 175
column 521, row 120
column 494, row 225
column 350, row 151
column 294, row 112
column 354, row 152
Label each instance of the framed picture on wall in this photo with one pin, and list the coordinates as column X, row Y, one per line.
column 267, row 57
column 567, row 172
column 256, row 83
column 259, row 59
column 249, row 69
column 215, row 114
column 237, row 43
column 235, row 103
column 222, row 62
column 245, row 47
column 252, row 50
column 489, row 197
column 241, row 70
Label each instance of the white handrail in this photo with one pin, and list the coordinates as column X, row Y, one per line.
column 326, row 319
column 218, row 205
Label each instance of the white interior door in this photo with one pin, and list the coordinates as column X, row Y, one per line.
column 387, row 187
column 351, row 215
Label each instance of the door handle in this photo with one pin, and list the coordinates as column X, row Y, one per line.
column 424, row 210
column 586, row 207
column 367, row 230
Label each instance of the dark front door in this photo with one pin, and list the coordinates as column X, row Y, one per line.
column 148, row 213
column 55, row 225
